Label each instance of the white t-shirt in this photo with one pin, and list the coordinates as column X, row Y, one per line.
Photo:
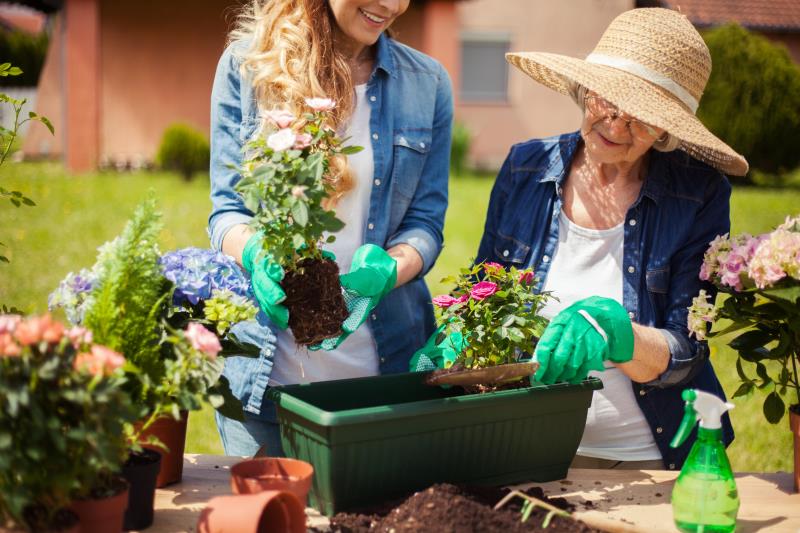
column 357, row 356
column 588, row 262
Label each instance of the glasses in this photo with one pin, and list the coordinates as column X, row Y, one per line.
column 605, row 110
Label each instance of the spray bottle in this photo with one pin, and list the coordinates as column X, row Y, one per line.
column 704, row 499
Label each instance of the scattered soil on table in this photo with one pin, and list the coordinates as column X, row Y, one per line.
column 448, row 508
column 315, row 302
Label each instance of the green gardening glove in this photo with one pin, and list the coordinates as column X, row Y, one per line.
column 265, row 277
column 581, row 337
column 373, row 273
column 437, row 355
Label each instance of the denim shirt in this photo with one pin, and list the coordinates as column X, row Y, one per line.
column 410, row 124
column 682, row 206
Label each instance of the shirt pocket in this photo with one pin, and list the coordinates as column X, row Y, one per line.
column 657, row 282
column 410, row 149
column 510, row 250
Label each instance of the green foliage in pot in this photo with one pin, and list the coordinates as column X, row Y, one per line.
column 287, row 182
column 498, row 316
column 63, row 408
column 761, row 277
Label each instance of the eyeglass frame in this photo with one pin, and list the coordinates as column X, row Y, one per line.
column 616, row 113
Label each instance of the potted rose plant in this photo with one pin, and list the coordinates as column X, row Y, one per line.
column 63, row 408
column 760, row 275
column 490, row 321
column 287, row 182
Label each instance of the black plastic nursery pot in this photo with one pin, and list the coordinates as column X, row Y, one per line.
column 373, row 438
column 141, row 471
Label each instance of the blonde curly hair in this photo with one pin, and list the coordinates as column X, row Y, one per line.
column 291, row 57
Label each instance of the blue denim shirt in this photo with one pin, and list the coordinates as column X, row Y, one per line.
column 682, row 206
column 410, row 121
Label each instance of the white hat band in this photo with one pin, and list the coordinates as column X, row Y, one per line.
column 637, row 69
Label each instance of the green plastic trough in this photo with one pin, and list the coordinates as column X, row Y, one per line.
column 373, row 438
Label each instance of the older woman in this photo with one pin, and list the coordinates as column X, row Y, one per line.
column 614, row 219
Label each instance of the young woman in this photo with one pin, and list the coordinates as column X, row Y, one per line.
column 392, row 100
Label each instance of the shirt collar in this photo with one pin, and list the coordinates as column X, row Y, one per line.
column 384, row 59
column 652, row 188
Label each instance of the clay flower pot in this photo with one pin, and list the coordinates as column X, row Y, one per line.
column 102, row 515
column 794, row 424
column 172, row 434
column 264, row 512
column 272, row 473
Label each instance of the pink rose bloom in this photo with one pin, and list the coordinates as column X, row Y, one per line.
column 101, row 361
column 492, row 268
column 482, row 290
column 78, row 335
column 299, row 191
column 320, row 104
column 281, row 140
column 37, row 329
column 526, row 277
column 445, row 300
column 302, row 141
column 8, row 323
column 8, row 348
column 202, row 339
column 280, row 117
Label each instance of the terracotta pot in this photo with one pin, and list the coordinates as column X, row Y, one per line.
column 102, row 515
column 794, row 424
column 272, row 473
column 264, row 512
column 172, row 434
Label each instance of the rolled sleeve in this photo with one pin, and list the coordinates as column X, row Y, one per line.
column 685, row 359
column 220, row 224
column 423, row 242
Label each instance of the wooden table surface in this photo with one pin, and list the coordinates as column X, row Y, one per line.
column 620, row 500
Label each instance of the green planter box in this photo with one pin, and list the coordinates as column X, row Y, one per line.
column 373, row 438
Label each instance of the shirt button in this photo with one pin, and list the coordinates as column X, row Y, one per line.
column 371, row 225
column 672, row 466
column 659, row 430
column 374, row 316
column 642, row 392
column 373, row 98
column 546, row 259
column 377, row 183
column 383, row 359
column 632, row 222
column 375, row 136
column 630, row 315
column 505, row 253
column 631, row 269
column 422, row 145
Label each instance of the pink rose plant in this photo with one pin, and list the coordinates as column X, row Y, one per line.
column 482, row 290
column 99, row 361
column 320, row 104
column 280, row 117
column 202, row 339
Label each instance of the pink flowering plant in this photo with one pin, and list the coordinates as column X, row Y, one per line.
column 496, row 312
column 761, row 277
column 286, row 181
column 63, row 412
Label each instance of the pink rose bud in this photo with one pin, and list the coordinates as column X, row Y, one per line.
column 281, row 140
column 280, row 117
column 526, row 277
column 101, row 361
column 303, row 141
column 78, row 336
column 202, row 339
column 492, row 268
column 8, row 323
column 320, row 104
column 8, row 348
column 29, row 331
column 444, row 301
column 483, row 290
column 299, row 191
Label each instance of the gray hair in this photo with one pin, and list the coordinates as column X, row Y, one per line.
column 665, row 143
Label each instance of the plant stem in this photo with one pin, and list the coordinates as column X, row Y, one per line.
column 795, row 356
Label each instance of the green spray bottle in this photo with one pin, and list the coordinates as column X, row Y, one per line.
column 704, row 499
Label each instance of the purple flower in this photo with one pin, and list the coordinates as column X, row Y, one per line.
column 482, row 290
column 197, row 272
column 73, row 294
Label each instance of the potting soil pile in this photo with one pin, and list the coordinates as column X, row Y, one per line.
column 448, row 508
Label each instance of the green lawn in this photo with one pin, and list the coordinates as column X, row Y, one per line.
column 74, row 215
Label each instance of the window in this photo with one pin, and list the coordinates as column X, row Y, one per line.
column 484, row 70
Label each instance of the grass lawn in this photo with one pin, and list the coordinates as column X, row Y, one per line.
column 74, row 215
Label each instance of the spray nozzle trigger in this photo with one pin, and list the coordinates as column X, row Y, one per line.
column 689, row 418
column 703, row 406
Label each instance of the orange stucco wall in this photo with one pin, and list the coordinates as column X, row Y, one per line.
column 157, row 67
column 571, row 28
column 790, row 40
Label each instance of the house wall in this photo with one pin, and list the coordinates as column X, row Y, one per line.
column 790, row 40
column 571, row 28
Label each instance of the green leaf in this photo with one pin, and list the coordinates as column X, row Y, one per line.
column 750, row 340
column 47, row 123
column 789, row 294
column 231, row 407
column 745, row 389
column 350, row 150
column 774, row 408
column 761, row 370
column 740, row 371
column 300, row 213
column 298, row 241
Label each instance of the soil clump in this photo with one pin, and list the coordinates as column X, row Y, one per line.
column 315, row 302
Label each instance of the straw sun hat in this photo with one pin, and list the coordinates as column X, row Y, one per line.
column 653, row 65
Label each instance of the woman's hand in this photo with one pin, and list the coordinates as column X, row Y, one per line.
column 409, row 262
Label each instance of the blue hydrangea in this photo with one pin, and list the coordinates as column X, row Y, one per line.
column 197, row 272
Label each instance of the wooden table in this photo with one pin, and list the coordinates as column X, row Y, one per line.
column 622, row 501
